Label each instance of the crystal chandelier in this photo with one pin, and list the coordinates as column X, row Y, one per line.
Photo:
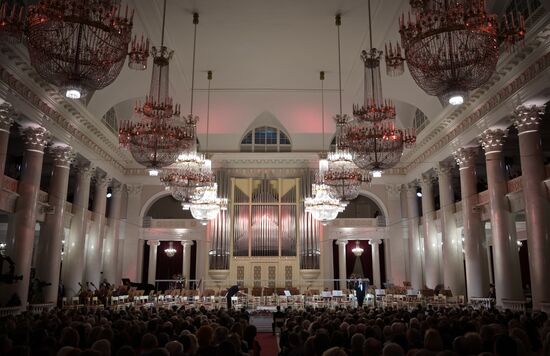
column 206, row 205
column 192, row 169
column 170, row 251
column 343, row 175
column 371, row 136
column 189, row 172
column 451, row 46
column 357, row 250
column 79, row 46
column 322, row 205
column 158, row 138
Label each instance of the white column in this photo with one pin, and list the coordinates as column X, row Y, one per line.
column 34, row 139
column 152, row 275
column 186, row 261
column 326, row 258
column 131, row 265
column 537, row 210
column 342, row 262
column 396, row 270
column 74, row 257
column 377, row 280
column 415, row 255
column 431, row 245
column 7, row 115
column 110, row 250
column 48, row 256
column 453, row 268
column 94, row 250
column 475, row 252
column 505, row 251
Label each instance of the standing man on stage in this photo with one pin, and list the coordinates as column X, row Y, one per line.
column 360, row 291
column 230, row 293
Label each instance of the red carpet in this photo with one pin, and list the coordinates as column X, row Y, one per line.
column 268, row 342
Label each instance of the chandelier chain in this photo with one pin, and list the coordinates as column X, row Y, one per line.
column 208, row 110
column 338, row 24
column 322, row 77
column 195, row 22
column 163, row 24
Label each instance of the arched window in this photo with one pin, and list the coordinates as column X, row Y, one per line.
column 265, row 139
column 110, row 120
column 420, row 120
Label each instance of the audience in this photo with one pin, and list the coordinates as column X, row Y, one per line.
column 310, row 332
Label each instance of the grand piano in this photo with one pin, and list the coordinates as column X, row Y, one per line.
column 146, row 287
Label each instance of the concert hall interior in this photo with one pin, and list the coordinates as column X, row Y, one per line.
column 309, row 152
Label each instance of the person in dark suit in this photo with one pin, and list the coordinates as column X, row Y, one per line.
column 230, row 293
column 360, row 291
column 278, row 319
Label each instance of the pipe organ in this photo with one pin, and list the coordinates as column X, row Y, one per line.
column 265, row 237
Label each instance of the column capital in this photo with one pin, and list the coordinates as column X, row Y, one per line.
column 35, row 138
column 528, row 118
column 134, row 190
column 492, row 140
column 153, row 242
column 62, row 155
column 85, row 169
column 185, row 243
column 7, row 116
column 374, row 242
column 443, row 169
column 342, row 242
column 393, row 190
column 412, row 186
column 102, row 181
column 116, row 187
column 427, row 179
column 465, row 156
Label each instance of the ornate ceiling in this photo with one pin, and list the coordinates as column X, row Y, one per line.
column 266, row 57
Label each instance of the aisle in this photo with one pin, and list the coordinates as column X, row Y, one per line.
column 268, row 342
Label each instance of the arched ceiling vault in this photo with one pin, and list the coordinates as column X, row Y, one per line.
column 266, row 56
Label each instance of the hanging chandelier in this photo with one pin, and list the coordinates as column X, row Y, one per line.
column 451, row 46
column 206, row 205
column 189, row 172
column 342, row 174
column 192, row 169
column 322, row 205
column 79, row 46
column 371, row 136
column 170, row 251
column 158, row 138
column 357, row 250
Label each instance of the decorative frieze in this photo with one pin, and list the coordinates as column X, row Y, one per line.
column 63, row 121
